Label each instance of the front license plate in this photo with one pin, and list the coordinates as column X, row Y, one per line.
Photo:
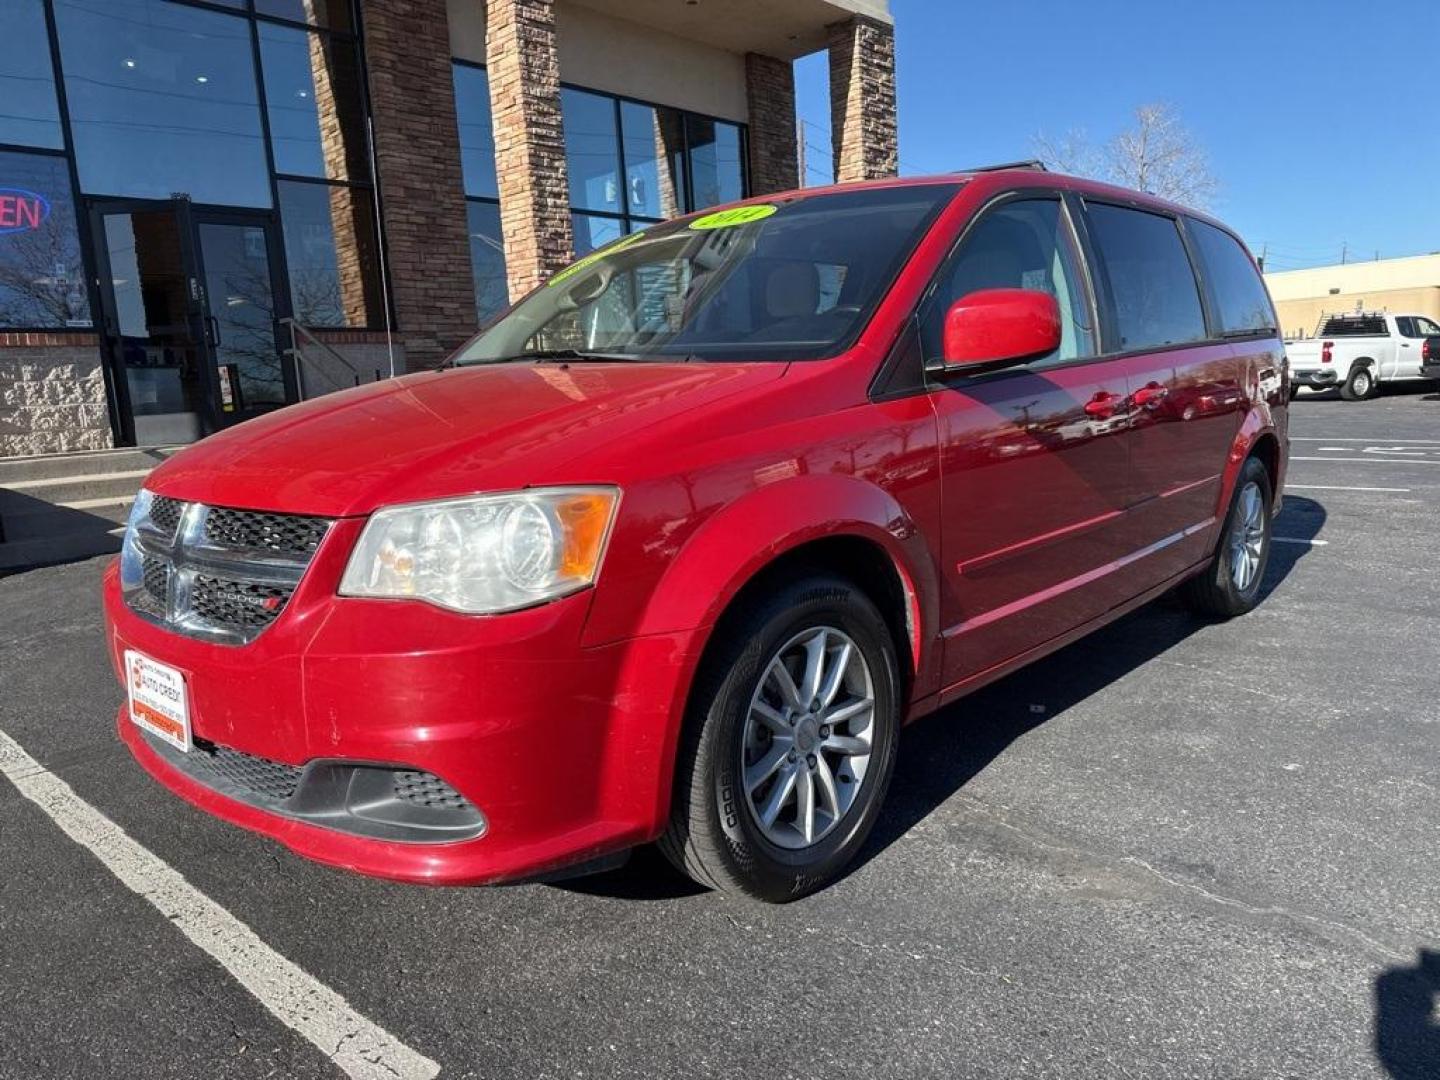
column 158, row 702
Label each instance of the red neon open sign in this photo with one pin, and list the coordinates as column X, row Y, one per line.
column 21, row 210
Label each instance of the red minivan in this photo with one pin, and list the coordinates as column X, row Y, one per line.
column 674, row 548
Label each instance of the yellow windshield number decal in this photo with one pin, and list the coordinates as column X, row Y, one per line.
column 728, row 219
column 594, row 257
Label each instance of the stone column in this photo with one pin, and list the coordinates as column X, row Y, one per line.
column 417, row 147
column 770, row 90
column 524, row 72
column 862, row 99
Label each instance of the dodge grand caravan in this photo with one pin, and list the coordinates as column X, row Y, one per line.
column 673, row 549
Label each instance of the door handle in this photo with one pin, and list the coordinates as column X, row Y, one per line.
column 212, row 328
column 1150, row 396
column 1102, row 406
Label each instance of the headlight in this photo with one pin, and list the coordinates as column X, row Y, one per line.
column 487, row 553
column 132, row 569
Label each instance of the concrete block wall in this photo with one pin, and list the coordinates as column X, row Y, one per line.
column 52, row 394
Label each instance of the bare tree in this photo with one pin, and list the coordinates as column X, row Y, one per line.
column 1156, row 154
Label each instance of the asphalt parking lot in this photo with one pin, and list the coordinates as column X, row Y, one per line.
column 1173, row 849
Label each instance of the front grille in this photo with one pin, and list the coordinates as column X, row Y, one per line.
column 156, row 578
column 427, row 789
column 257, row 775
column 165, row 514
column 283, row 533
column 237, row 603
column 216, row 572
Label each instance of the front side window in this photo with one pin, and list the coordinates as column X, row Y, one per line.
column 30, row 115
column 1243, row 304
column 789, row 281
column 1416, row 326
column 1152, row 286
column 1026, row 244
column 163, row 100
column 42, row 276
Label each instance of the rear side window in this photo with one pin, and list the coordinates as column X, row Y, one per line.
column 1157, row 302
column 1240, row 296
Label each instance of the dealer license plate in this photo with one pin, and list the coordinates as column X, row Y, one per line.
column 158, row 702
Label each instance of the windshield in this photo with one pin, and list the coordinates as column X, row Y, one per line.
column 792, row 280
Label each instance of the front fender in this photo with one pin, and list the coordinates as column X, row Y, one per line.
column 740, row 540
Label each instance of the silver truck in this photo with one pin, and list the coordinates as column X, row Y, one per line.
column 1360, row 350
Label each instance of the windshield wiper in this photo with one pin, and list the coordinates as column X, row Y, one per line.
column 541, row 356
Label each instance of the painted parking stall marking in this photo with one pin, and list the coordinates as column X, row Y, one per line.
column 362, row 1049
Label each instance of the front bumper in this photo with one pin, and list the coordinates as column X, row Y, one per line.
column 565, row 751
column 1319, row 379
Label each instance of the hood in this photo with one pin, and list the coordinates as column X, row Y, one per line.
column 443, row 433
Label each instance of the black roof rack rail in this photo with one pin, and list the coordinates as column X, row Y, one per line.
column 1033, row 164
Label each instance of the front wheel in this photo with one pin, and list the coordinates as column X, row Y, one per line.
column 1230, row 585
column 789, row 745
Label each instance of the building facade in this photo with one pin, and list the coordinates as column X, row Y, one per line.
column 1303, row 298
column 213, row 208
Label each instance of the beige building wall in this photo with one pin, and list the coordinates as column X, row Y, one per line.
column 1409, row 286
column 601, row 52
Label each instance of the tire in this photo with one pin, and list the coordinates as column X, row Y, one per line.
column 1227, row 588
column 742, row 723
column 1361, row 385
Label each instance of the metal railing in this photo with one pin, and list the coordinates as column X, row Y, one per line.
column 301, row 338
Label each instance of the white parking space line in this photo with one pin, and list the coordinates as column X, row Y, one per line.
column 1300, row 540
column 362, row 1049
column 1372, row 460
column 1337, row 487
column 1372, row 442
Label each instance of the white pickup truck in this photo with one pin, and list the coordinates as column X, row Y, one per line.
column 1360, row 350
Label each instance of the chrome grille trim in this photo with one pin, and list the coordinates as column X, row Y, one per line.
column 179, row 555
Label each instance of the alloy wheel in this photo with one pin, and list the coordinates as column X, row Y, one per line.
column 807, row 741
column 1247, row 537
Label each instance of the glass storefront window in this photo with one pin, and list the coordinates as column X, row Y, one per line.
column 487, row 259
column 330, row 254
column 30, row 115
column 654, row 141
column 315, row 102
column 716, row 170
column 330, row 14
column 477, row 134
column 592, row 152
column 592, row 231
column 162, row 100
column 42, row 276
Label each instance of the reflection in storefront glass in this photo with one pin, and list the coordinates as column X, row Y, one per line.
column 477, row 135
column 314, row 100
column 593, row 232
column 487, row 259
column 42, row 277
column 715, row 166
column 163, row 100
column 330, row 254
column 652, row 136
column 29, row 111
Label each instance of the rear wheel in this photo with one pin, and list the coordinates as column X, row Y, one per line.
column 1230, row 585
column 790, row 743
column 1360, row 385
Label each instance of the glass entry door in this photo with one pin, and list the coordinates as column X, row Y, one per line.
column 190, row 314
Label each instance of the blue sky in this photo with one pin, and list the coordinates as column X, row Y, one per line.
column 1320, row 118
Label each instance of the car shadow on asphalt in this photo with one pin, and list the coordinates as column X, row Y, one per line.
column 943, row 752
column 1407, row 1034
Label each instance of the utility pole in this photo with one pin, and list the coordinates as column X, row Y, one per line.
column 1264, row 250
column 1344, row 252
column 800, row 153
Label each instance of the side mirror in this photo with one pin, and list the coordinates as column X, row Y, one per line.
column 994, row 328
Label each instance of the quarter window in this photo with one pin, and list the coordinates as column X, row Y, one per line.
column 1152, row 285
column 1026, row 244
column 1239, row 293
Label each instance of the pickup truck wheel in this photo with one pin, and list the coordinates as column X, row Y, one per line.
column 1360, row 385
column 790, row 743
column 1230, row 584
